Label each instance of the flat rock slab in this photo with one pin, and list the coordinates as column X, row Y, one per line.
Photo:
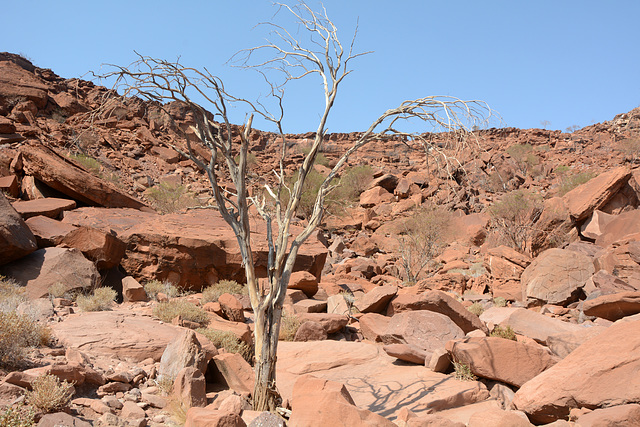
column 48, row 231
column 120, row 334
column 16, row 240
column 376, row 381
column 51, row 207
column 602, row 372
column 614, row 306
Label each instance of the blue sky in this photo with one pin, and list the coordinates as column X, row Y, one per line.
column 567, row 62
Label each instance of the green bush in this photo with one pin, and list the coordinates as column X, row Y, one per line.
column 524, row 157
column 229, row 341
column 154, row 287
column 213, row 292
column 506, row 333
column 100, row 300
column 169, row 198
column 49, row 394
column 167, row 311
column 289, row 325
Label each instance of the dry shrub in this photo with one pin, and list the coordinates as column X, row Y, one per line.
column 476, row 308
column 514, row 217
column 167, row 311
column 506, row 333
column 100, row 300
column 213, row 292
column 499, row 302
column 422, row 239
column 229, row 341
column 17, row 416
column 177, row 410
column 89, row 163
column 169, row 198
column 569, row 182
column 49, row 394
column 289, row 325
column 57, row 290
column 17, row 331
column 154, row 287
column 524, row 157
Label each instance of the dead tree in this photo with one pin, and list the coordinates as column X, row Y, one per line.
column 324, row 56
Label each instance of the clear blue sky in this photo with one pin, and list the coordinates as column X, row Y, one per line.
column 568, row 62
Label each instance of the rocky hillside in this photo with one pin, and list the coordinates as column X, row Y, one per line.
column 499, row 289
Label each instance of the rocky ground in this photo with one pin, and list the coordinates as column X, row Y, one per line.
column 539, row 234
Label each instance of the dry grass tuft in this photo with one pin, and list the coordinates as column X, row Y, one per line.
column 102, row 299
column 213, row 292
column 167, row 311
column 49, row 394
column 288, row 327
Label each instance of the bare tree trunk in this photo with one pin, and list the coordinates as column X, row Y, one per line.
column 267, row 330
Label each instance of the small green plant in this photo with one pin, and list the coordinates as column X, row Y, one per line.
column 562, row 170
column 100, row 300
column 288, row 327
column 499, row 302
column 87, row 162
column 476, row 308
column 17, row 416
column 169, row 198
column 506, row 333
column 154, row 287
column 462, row 372
column 321, row 159
column 49, row 394
column 569, row 182
column 167, row 311
column 229, row 341
column 213, row 292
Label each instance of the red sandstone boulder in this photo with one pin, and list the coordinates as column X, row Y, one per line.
column 16, row 239
column 373, row 326
column 132, row 290
column 48, row 231
column 304, row 281
column 620, row 227
column 556, row 276
column 310, row 331
column 439, row 302
column 501, row 359
column 237, row 373
column 375, row 196
column 621, row 415
column 103, row 248
column 205, row 417
column 190, row 387
column 623, row 260
column 584, row 199
column 60, row 174
column 535, row 325
column 51, row 207
column 613, row 306
column 319, row 402
column 45, row 267
column 17, row 82
column 423, row 329
column 189, row 249
column 377, row 299
column 9, row 185
column 231, row 307
column 601, row 372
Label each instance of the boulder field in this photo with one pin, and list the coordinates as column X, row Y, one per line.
column 429, row 298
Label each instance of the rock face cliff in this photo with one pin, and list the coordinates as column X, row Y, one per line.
column 531, row 234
